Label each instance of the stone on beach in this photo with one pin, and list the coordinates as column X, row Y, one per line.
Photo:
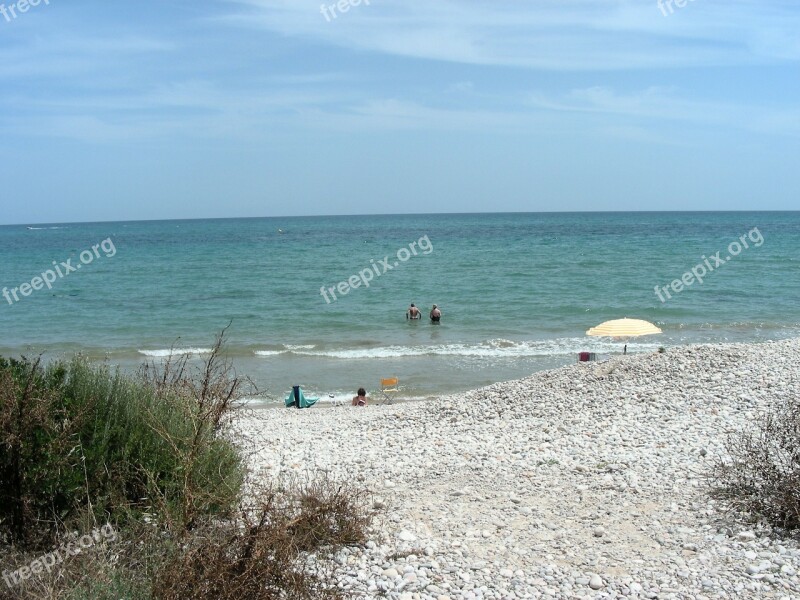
column 580, row 482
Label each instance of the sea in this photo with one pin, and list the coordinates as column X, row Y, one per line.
column 321, row 301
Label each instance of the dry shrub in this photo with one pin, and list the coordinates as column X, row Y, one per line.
column 327, row 513
column 761, row 477
column 277, row 550
column 194, row 407
column 112, row 569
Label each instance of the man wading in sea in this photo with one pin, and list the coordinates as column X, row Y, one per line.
column 413, row 313
column 436, row 314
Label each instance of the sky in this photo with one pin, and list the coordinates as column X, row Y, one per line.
column 238, row 108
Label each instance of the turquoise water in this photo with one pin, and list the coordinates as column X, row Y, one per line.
column 518, row 291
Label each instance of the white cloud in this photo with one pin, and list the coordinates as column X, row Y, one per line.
column 656, row 106
column 62, row 55
column 546, row 34
column 138, row 86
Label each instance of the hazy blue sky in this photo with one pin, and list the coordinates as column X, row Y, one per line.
column 210, row 108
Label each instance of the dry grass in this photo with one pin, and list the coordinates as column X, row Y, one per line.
column 761, row 477
column 266, row 555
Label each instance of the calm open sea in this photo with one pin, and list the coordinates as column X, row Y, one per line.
column 518, row 291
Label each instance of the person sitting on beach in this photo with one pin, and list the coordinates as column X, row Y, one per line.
column 413, row 312
column 436, row 314
column 361, row 399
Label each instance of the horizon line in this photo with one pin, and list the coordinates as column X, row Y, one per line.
column 534, row 212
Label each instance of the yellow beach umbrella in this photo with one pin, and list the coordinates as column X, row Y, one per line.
column 623, row 328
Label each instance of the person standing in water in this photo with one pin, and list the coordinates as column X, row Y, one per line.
column 436, row 314
column 413, row 313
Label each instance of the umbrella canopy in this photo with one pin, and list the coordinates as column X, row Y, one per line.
column 622, row 328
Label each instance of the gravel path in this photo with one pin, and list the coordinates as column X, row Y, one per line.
column 582, row 482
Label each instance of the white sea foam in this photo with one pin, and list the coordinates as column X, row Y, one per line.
column 337, row 398
column 175, row 352
column 498, row 348
column 287, row 349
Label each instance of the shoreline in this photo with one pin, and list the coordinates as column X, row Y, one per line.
column 422, row 371
column 577, row 482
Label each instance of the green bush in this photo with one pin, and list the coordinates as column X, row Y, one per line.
column 82, row 445
column 76, row 437
column 39, row 472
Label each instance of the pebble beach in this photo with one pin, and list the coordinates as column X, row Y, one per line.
column 587, row 481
